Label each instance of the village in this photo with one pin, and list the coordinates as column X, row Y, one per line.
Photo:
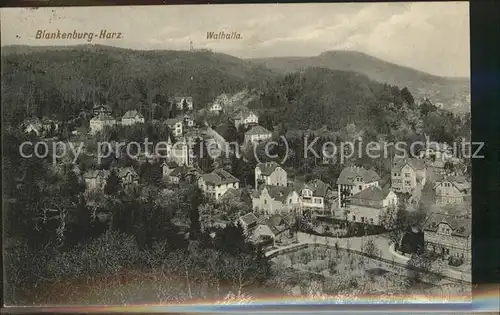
column 275, row 209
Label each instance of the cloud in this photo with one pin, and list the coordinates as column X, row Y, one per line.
column 433, row 37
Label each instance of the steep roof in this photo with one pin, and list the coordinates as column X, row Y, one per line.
column 132, row 114
column 278, row 193
column 460, row 182
column 219, row 176
column 416, row 164
column 249, row 218
column 102, row 107
column 348, row 175
column 267, row 168
column 373, row 193
column 460, row 225
column 319, row 187
column 104, row 117
column 277, row 224
column 124, row 171
column 257, row 130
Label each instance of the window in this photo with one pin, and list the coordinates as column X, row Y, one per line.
column 265, row 201
column 407, row 174
column 371, row 220
column 290, row 200
column 354, row 218
column 362, row 219
column 360, row 187
column 395, row 174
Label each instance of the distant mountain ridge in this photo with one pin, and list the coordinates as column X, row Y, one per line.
column 454, row 93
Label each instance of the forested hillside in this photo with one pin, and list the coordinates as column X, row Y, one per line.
column 452, row 92
column 65, row 81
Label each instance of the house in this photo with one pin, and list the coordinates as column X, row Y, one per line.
column 128, row 176
column 176, row 125
column 262, row 235
column 132, row 117
column 216, row 183
column 96, row 179
column 354, row 179
column 98, row 123
column 184, row 103
column 215, row 108
column 257, row 134
column 100, row 109
column 313, row 196
column 184, row 173
column 270, row 173
column 448, row 235
column 223, row 99
column 279, row 227
column 167, row 167
column 248, row 221
column 436, row 151
column 453, row 190
column 368, row 205
column 33, row 125
column 275, row 199
column 245, row 118
column 407, row 174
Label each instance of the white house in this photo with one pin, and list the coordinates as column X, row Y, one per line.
column 176, row 125
column 313, row 196
column 128, row 176
column 33, row 125
column 216, row 183
column 246, row 118
column 100, row 109
column 215, row 108
column 368, row 205
column 189, row 121
column 407, row 174
column 275, row 199
column 270, row 173
column 257, row 134
column 354, row 179
column 132, row 117
column 98, row 123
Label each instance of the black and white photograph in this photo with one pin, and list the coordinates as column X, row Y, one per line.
column 236, row 154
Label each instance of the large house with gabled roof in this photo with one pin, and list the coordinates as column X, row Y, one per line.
column 370, row 204
column 132, row 117
column 270, row 199
column 448, row 235
column 407, row 174
column 313, row 196
column 257, row 134
column 453, row 190
column 184, row 102
column 270, row 173
column 216, row 183
column 354, row 179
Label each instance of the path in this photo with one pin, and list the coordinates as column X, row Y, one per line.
column 356, row 243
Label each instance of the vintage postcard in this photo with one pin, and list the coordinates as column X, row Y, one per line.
column 236, row 154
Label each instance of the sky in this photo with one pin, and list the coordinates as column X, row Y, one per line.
column 430, row 36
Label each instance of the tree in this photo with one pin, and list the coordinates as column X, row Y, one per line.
column 369, row 248
column 407, row 97
column 113, row 184
column 417, row 267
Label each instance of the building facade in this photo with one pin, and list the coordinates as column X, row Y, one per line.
column 257, row 134
column 354, row 179
column 270, row 173
column 448, row 235
column 453, row 190
column 369, row 205
column 407, row 174
column 132, row 117
column 216, row 183
column 271, row 200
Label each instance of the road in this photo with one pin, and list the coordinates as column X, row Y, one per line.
column 356, row 243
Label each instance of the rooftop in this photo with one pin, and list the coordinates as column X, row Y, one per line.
column 349, row 174
column 257, row 130
column 219, row 176
column 132, row 114
column 460, row 225
column 267, row 168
